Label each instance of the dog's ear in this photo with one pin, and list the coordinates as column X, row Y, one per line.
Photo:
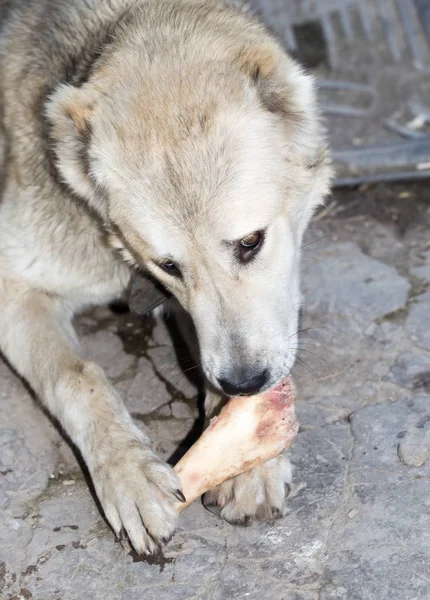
column 69, row 111
column 262, row 64
column 285, row 90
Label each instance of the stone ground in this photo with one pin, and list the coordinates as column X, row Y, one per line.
column 358, row 526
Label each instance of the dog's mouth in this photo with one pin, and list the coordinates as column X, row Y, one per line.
column 269, row 387
column 146, row 294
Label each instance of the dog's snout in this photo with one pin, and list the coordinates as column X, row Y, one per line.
column 242, row 382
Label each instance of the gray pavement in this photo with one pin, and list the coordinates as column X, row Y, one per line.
column 358, row 526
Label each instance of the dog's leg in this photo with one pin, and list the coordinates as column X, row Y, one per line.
column 260, row 493
column 136, row 489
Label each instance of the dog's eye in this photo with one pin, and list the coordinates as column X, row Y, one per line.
column 169, row 267
column 251, row 241
column 250, row 245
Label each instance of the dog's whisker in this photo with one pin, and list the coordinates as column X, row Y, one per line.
column 299, row 331
column 325, row 328
column 178, row 362
column 317, row 378
column 307, row 367
column 323, row 237
column 173, row 361
column 317, row 356
column 191, row 368
column 296, row 379
column 318, row 346
column 311, row 258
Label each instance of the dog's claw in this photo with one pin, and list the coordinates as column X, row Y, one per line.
column 166, row 540
column 180, row 496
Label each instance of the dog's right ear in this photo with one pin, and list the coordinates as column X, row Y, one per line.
column 69, row 111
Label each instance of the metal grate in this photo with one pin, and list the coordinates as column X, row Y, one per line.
column 372, row 60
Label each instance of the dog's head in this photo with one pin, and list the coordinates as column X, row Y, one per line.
column 199, row 146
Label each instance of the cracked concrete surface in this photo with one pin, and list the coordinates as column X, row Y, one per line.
column 358, row 526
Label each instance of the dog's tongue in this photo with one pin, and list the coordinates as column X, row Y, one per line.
column 248, row 432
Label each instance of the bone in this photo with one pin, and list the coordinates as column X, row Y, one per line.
column 248, row 432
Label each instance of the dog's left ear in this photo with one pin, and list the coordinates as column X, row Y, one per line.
column 285, row 90
column 70, row 111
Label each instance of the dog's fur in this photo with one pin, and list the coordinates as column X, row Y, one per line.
column 135, row 132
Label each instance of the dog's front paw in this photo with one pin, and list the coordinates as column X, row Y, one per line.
column 258, row 494
column 137, row 491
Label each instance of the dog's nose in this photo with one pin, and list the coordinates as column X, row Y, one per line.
column 244, row 383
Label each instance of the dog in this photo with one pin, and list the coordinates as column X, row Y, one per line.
column 174, row 137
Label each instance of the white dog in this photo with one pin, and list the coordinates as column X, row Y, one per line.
column 174, row 136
